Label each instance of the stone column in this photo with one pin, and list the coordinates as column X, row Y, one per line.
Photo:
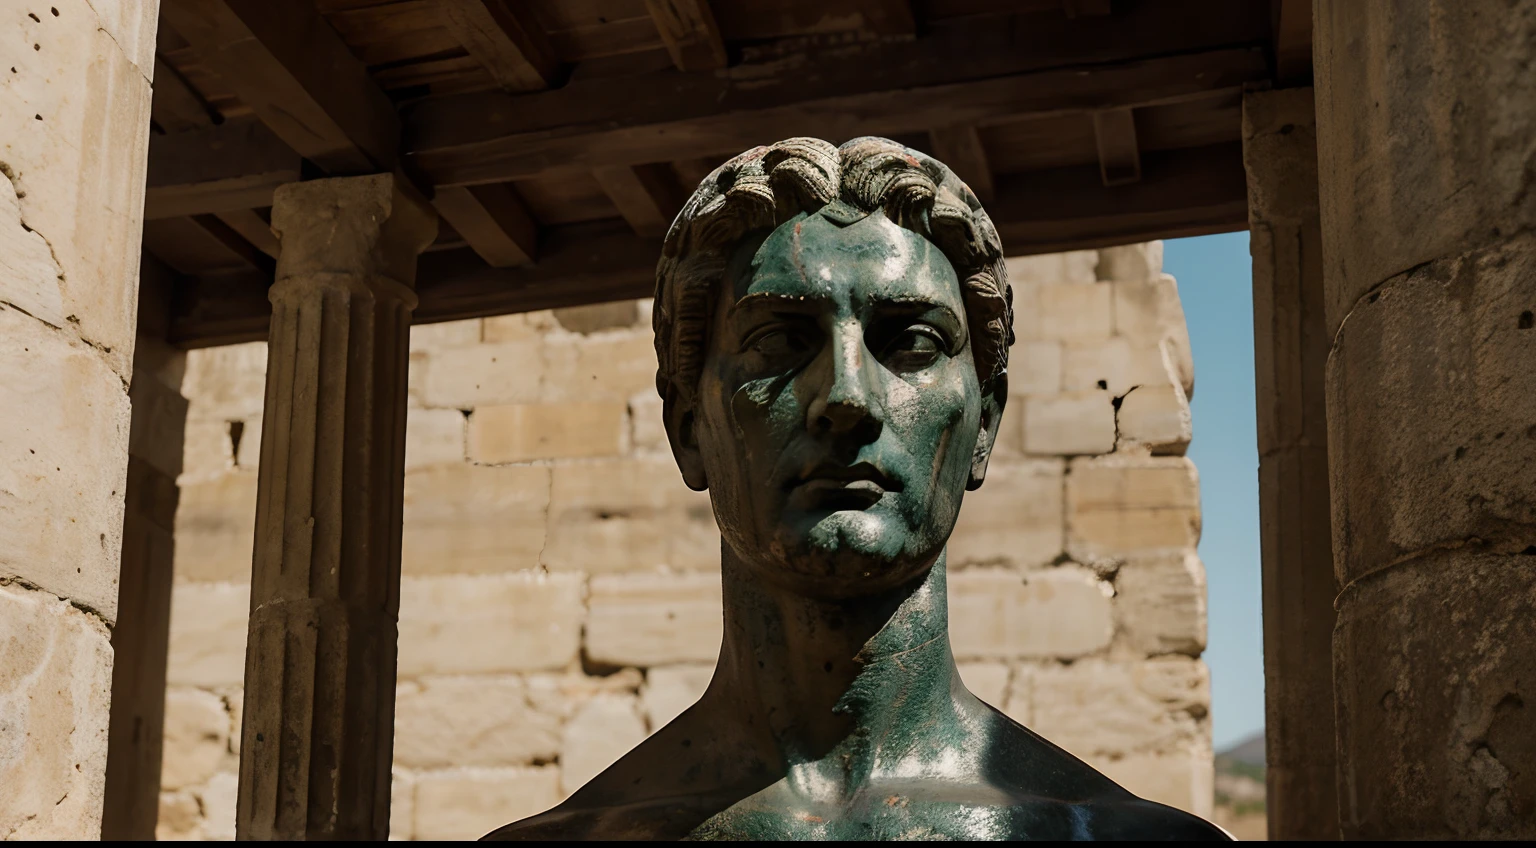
column 142, row 635
column 318, row 729
column 75, row 106
column 1290, row 340
column 1426, row 118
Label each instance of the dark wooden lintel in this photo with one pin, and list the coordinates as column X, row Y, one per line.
column 504, row 39
column 1181, row 193
column 1114, row 132
column 235, row 165
column 491, row 137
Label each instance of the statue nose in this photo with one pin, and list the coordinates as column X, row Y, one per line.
column 846, row 406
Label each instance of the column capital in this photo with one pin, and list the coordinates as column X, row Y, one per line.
column 370, row 227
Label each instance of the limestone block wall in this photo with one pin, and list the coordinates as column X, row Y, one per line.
column 561, row 584
column 74, row 104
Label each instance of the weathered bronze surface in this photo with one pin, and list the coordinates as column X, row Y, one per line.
column 833, row 328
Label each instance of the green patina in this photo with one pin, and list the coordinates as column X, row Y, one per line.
column 839, row 418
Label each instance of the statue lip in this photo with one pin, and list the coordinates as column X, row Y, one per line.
column 834, row 476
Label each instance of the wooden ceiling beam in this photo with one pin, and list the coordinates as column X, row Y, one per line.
column 1085, row 8
column 283, row 60
column 505, row 39
column 1187, row 192
column 1182, row 192
column 203, row 244
column 960, row 148
column 235, row 165
column 492, row 137
column 1291, row 40
column 647, row 196
column 1114, row 132
column 174, row 106
column 890, row 18
column 493, row 221
column 253, row 228
column 689, row 30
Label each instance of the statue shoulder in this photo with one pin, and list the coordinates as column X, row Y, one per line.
column 1136, row 818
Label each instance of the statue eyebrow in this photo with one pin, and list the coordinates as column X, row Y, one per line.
column 773, row 300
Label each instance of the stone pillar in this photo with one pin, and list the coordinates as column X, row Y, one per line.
column 1290, row 340
column 1426, row 118
column 75, row 104
column 318, row 728
column 142, row 635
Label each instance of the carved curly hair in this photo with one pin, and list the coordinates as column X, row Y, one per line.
column 767, row 186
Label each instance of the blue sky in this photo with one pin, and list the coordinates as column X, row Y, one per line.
column 1216, row 286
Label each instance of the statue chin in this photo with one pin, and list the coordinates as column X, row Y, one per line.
column 839, row 554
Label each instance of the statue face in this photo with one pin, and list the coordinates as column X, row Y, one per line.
column 838, row 409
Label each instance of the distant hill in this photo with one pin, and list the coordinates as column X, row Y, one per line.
column 1249, row 752
column 1240, row 775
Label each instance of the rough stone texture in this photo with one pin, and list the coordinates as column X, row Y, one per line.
column 525, row 432
column 987, row 681
column 654, row 619
column 1426, row 153
column 1425, row 162
column 215, row 527
column 65, row 463
column 1160, row 604
column 433, row 437
column 471, row 721
column 1155, row 419
column 1121, row 506
column 470, row 519
column 998, row 613
column 325, row 575
column 516, row 686
column 55, row 687
column 1291, row 343
column 628, row 515
column 1097, row 708
column 1069, row 424
column 518, row 621
column 469, row 803
column 604, row 729
column 1445, row 641
column 671, row 689
column 196, row 737
column 208, row 633
column 1015, row 519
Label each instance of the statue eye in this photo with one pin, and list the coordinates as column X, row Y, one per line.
column 915, row 347
column 775, row 342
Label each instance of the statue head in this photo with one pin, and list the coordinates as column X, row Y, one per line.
column 832, row 325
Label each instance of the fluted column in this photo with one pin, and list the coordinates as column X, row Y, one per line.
column 317, row 738
column 1290, row 340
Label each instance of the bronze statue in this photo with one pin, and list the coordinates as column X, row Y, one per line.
column 832, row 326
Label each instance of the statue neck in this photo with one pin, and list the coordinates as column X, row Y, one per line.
column 827, row 687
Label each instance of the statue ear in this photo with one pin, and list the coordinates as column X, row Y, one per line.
column 994, row 396
column 678, row 417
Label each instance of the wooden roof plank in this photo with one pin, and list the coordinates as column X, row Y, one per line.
column 960, row 148
column 253, row 228
column 493, row 138
column 1184, row 192
column 174, row 105
column 505, row 40
column 1114, row 132
column 493, row 221
column 1292, row 40
column 647, row 196
column 235, row 165
column 689, row 30
column 283, row 60
column 890, row 18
